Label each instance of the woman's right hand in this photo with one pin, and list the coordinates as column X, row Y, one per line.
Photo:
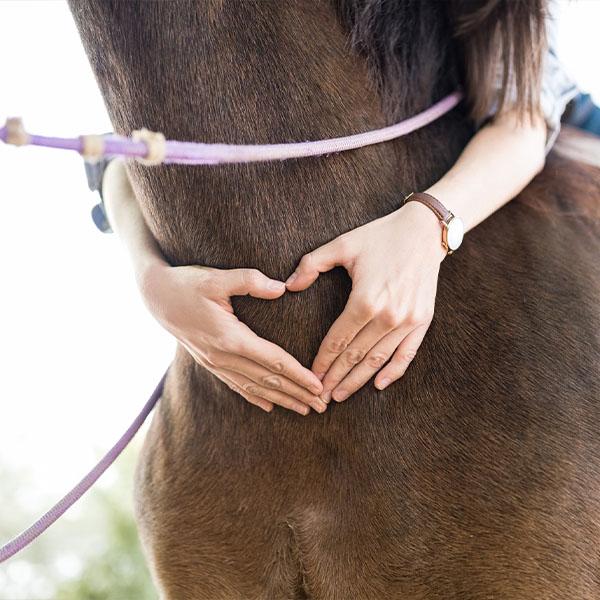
column 193, row 303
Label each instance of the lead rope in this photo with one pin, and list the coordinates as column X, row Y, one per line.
column 26, row 537
column 151, row 148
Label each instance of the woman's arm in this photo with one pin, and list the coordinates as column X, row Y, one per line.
column 127, row 221
column 193, row 304
column 394, row 261
column 498, row 162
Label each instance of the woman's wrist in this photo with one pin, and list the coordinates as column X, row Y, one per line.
column 446, row 193
column 426, row 225
column 147, row 266
column 497, row 163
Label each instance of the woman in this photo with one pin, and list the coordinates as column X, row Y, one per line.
column 394, row 285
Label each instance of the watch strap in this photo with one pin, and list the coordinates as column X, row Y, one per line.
column 441, row 212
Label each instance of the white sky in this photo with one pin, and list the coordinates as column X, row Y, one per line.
column 79, row 352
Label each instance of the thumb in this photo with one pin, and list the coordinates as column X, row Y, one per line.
column 312, row 264
column 243, row 282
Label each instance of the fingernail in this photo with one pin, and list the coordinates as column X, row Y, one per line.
column 291, row 278
column 276, row 285
column 303, row 411
column 339, row 395
column 319, row 406
column 383, row 383
column 326, row 396
column 320, row 376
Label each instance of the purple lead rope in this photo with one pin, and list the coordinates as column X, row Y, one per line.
column 154, row 149
column 24, row 539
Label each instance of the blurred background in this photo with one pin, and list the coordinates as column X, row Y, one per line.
column 80, row 354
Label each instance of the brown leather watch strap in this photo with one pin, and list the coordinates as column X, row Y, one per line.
column 441, row 212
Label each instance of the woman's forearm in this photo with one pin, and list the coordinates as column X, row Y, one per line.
column 127, row 220
column 498, row 162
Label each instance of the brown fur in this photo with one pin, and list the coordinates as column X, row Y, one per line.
column 474, row 476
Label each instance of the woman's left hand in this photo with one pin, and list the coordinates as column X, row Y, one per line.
column 394, row 264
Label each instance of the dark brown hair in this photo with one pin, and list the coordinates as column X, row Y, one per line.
column 475, row 42
column 509, row 34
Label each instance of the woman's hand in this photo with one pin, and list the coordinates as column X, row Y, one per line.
column 193, row 303
column 394, row 263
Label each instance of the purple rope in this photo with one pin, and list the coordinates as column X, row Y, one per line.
column 192, row 153
column 24, row 539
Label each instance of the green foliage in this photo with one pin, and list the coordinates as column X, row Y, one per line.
column 93, row 553
column 119, row 571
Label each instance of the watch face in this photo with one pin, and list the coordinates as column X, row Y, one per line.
column 455, row 233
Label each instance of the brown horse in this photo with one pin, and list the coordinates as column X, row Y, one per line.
column 474, row 476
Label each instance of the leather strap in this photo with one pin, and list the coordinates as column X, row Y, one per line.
column 441, row 212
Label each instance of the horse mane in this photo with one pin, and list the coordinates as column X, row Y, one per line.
column 402, row 42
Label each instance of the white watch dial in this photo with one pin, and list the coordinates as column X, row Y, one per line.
column 456, row 232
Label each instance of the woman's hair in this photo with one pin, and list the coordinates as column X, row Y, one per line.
column 494, row 48
column 501, row 40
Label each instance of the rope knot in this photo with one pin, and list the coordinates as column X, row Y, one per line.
column 92, row 147
column 15, row 132
column 155, row 144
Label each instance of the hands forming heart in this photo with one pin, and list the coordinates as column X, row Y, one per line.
column 393, row 262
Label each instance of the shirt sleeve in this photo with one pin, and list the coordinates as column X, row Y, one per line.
column 558, row 88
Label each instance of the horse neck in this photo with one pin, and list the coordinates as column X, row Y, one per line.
column 265, row 72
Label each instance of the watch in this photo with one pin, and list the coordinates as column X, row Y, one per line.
column 453, row 229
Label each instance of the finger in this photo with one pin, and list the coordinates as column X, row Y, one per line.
column 364, row 344
column 318, row 261
column 274, row 396
column 354, row 317
column 256, row 400
column 253, row 399
column 403, row 356
column 374, row 360
column 262, row 376
column 244, row 282
column 276, row 360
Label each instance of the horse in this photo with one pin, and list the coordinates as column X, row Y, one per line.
column 475, row 475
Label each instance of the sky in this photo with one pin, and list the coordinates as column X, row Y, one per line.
column 79, row 352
